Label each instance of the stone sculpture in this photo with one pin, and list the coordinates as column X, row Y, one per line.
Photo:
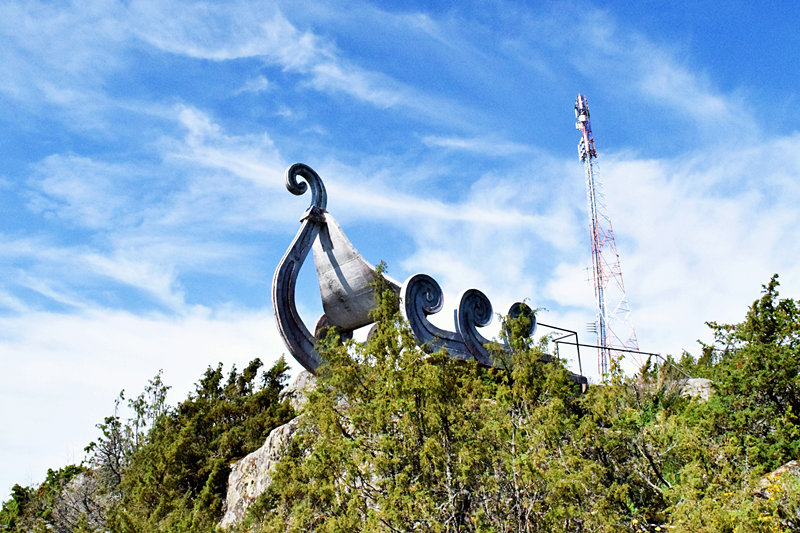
column 345, row 277
column 346, row 283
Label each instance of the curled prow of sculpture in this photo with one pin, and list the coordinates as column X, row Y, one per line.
column 294, row 332
column 346, row 279
column 319, row 197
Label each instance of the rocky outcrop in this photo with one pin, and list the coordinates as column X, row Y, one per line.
column 82, row 505
column 250, row 477
column 296, row 391
column 772, row 482
column 697, row 388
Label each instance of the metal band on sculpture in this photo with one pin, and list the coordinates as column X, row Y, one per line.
column 347, row 288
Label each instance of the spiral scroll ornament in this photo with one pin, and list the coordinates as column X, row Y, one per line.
column 474, row 311
column 319, row 197
column 519, row 309
column 422, row 296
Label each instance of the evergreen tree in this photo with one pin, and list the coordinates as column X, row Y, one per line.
column 176, row 478
column 164, row 469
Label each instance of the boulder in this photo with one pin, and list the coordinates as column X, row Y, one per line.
column 250, row 476
column 296, row 391
column 696, row 387
column 775, row 480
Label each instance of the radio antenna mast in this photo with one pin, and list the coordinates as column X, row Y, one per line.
column 613, row 323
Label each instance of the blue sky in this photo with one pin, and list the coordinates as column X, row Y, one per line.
column 143, row 145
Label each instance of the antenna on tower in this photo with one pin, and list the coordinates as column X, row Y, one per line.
column 613, row 323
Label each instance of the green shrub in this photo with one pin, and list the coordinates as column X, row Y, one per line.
column 395, row 439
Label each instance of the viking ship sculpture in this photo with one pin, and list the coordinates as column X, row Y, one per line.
column 347, row 288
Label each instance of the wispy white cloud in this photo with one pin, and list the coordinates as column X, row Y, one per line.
column 368, row 86
column 49, row 288
column 629, row 60
column 77, row 48
column 254, row 85
column 60, row 273
column 74, row 365
column 13, row 304
column 252, row 157
column 697, row 238
column 99, row 194
column 484, row 146
column 77, row 189
column 149, row 224
column 54, row 56
column 158, row 280
column 238, row 32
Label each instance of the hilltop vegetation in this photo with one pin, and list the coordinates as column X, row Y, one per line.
column 165, row 469
column 394, row 439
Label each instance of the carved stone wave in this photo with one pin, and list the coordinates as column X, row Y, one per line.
column 421, row 296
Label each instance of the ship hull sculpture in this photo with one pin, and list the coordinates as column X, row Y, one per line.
column 347, row 281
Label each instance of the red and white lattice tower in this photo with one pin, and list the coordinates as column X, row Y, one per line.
column 613, row 323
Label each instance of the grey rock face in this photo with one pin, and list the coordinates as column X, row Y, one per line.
column 296, row 391
column 251, row 476
column 697, row 387
column 786, row 473
column 82, row 504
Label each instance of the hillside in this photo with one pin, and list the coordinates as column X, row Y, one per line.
column 393, row 439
